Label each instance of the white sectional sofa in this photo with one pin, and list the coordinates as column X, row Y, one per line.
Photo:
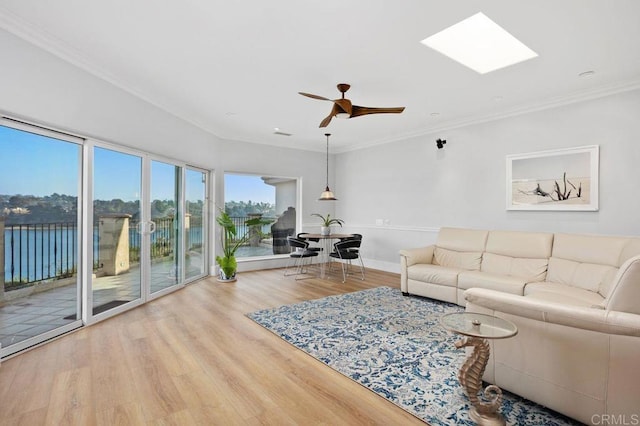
column 574, row 298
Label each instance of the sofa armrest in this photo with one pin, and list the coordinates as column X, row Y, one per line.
column 625, row 290
column 410, row 257
column 417, row 255
column 593, row 319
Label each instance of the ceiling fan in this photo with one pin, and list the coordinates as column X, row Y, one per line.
column 342, row 108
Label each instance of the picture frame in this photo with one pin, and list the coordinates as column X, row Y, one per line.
column 559, row 180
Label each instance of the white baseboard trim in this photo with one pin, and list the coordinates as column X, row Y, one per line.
column 382, row 265
column 256, row 265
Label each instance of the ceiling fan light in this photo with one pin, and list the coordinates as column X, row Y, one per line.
column 342, row 115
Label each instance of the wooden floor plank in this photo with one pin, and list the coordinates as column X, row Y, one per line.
column 71, row 399
column 193, row 357
column 27, row 418
column 121, row 415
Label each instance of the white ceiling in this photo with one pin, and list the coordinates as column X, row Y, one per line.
column 235, row 68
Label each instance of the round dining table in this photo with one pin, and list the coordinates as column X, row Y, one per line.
column 327, row 247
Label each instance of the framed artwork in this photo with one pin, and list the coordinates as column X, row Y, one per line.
column 561, row 179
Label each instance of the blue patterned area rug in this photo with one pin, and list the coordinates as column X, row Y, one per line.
column 395, row 346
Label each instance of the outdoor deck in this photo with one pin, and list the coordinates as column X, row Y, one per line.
column 38, row 313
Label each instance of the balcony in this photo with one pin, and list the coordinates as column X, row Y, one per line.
column 38, row 291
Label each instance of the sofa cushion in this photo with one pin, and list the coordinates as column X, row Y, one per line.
column 434, row 274
column 457, row 259
column 589, row 249
column 560, row 293
column 462, row 240
column 530, row 269
column 532, row 245
column 503, row 283
column 588, row 276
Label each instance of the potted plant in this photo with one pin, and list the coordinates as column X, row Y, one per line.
column 327, row 221
column 230, row 242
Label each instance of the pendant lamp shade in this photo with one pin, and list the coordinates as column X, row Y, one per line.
column 327, row 194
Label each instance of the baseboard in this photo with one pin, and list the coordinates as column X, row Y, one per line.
column 381, row 265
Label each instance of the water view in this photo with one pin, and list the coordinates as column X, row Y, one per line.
column 137, row 202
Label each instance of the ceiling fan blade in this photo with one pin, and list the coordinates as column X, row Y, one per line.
column 357, row 111
column 327, row 119
column 343, row 106
column 310, row 95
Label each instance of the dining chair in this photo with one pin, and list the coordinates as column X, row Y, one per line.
column 305, row 237
column 346, row 251
column 299, row 252
column 353, row 237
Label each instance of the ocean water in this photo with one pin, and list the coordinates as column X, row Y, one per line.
column 38, row 252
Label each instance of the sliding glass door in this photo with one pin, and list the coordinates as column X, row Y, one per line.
column 195, row 224
column 117, row 242
column 137, row 228
column 165, row 232
column 39, row 235
column 88, row 230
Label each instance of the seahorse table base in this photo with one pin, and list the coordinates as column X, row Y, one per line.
column 470, row 376
column 477, row 328
column 492, row 419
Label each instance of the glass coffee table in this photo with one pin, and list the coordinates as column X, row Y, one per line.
column 476, row 329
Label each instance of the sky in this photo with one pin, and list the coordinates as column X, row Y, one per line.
column 38, row 165
column 248, row 188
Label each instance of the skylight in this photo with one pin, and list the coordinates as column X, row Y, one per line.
column 480, row 44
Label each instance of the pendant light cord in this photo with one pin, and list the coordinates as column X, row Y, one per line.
column 327, row 135
column 327, row 195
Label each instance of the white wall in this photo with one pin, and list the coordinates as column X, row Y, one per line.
column 42, row 88
column 417, row 188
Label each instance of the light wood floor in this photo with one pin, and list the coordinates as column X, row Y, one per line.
column 192, row 357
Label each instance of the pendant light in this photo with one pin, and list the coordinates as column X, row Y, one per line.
column 327, row 195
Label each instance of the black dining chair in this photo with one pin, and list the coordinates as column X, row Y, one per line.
column 299, row 252
column 305, row 237
column 347, row 251
column 353, row 237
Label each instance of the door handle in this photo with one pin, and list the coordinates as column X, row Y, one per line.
column 141, row 228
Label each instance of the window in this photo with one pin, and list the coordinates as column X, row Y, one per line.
column 271, row 198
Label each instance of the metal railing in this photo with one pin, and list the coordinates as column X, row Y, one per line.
column 36, row 252
column 242, row 229
column 44, row 251
column 163, row 239
column 195, row 233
